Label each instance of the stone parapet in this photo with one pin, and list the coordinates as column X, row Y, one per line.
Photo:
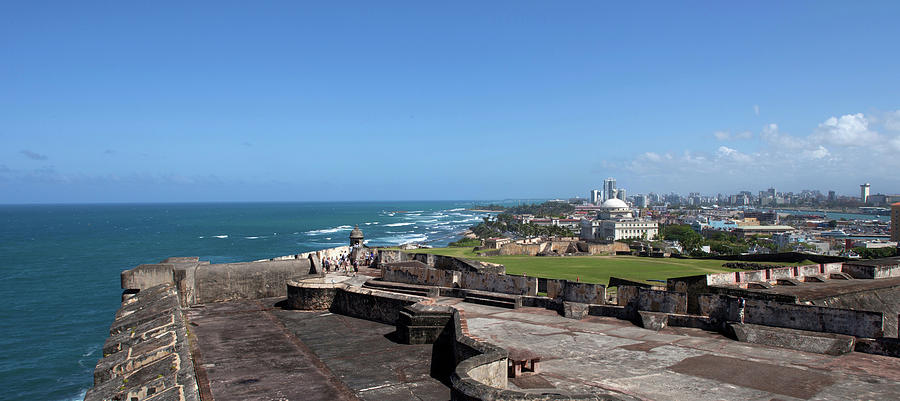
column 146, row 356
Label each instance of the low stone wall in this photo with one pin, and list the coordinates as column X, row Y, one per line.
column 645, row 299
column 725, row 308
column 423, row 275
column 573, row 291
column 146, row 354
column 437, row 261
column 253, row 280
column 872, row 271
column 458, row 264
column 364, row 303
column 563, row 247
column 200, row 282
column 595, row 248
column 521, row 249
column 795, row 272
column 885, row 300
column 315, row 256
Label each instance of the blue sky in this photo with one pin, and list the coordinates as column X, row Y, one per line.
column 232, row 101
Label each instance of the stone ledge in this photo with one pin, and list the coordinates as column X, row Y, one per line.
column 800, row 340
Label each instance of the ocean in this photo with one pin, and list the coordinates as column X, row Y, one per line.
column 60, row 264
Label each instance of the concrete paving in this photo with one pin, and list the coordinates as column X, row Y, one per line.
column 605, row 354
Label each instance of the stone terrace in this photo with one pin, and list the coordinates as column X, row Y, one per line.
column 255, row 350
column 603, row 355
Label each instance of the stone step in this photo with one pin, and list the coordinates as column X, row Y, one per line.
column 509, row 304
column 408, row 289
column 840, row 276
column 493, row 295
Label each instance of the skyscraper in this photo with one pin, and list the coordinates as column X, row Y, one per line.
column 620, row 194
column 609, row 188
column 864, row 192
column 596, row 196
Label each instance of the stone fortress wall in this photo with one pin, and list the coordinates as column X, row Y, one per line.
column 562, row 248
column 147, row 355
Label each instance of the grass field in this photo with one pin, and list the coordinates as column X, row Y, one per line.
column 594, row 269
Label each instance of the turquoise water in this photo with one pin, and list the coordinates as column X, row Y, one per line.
column 60, row 264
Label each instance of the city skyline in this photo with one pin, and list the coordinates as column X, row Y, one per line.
column 304, row 102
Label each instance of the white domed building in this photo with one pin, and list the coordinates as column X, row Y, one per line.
column 615, row 221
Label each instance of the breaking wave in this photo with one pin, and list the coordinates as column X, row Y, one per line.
column 329, row 230
column 398, row 224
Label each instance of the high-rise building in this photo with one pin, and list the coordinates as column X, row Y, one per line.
column 864, row 192
column 609, row 188
column 895, row 221
column 620, row 194
column 642, row 201
column 832, row 196
column 596, row 196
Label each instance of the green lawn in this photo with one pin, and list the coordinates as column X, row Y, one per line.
column 593, row 269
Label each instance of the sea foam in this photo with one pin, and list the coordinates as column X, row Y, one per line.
column 329, row 230
column 398, row 224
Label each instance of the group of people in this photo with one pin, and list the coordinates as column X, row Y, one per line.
column 346, row 264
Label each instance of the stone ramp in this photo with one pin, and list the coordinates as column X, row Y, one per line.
column 247, row 354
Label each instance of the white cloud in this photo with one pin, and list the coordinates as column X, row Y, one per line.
column 891, row 120
column 838, row 150
column 756, row 109
column 848, row 130
column 819, row 153
column 725, row 135
column 730, row 154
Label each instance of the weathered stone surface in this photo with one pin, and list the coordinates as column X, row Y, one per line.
column 365, row 356
column 645, row 299
column 252, row 280
column 310, row 296
column 653, row 320
column 422, row 324
column 801, row 317
column 879, row 346
column 807, row 341
column 146, row 355
column 575, row 310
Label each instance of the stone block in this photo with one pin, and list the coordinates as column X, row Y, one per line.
column 653, row 320
column 575, row 310
column 807, row 341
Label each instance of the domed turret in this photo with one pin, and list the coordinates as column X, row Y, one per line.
column 356, row 236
